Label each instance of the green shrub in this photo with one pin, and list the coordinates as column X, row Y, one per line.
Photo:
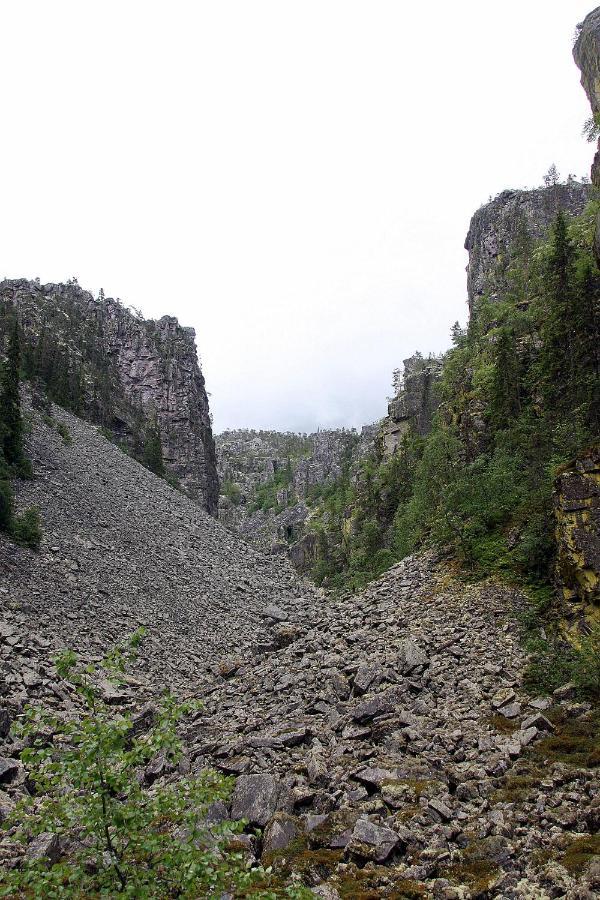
column 27, row 529
column 232, row 491
column 64, row 433
column 122, row 839
column 6, row 505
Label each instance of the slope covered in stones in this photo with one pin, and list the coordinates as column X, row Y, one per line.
column 384, row 748
column 122, row 548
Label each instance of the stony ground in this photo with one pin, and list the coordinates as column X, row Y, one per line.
column 383, row 744
column 123, row 549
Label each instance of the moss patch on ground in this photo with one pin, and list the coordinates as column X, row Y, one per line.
column 502, row 724
column 576, row 741
column 376, row 882
column 580, row 853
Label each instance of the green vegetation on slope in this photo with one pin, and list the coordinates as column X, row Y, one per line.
column 108, row 833
column 25, row 529
column 520, row 396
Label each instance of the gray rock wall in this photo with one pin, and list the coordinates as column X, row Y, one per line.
column 148, row 368
column 586, row 53
column 511, row 224
column 415, row 403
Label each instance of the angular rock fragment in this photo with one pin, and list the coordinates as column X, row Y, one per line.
column 45, row 846
column 371, row 842
column 255, row 798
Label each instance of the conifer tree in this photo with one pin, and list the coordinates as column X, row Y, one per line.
column 152, row 457
column 558, row 334
column 505, row 401
column 11, row 420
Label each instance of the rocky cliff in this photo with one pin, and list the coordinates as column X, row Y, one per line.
column 577, row 514
column 508, row 226
column 415, row 402
column 114, row 367
column 586, row 53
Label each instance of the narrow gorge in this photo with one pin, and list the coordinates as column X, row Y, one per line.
column 349, row 664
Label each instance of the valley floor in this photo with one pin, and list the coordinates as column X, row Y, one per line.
column 384, row 744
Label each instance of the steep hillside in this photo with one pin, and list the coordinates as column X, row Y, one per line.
column 517, row 397
column 108, row 364
column 121, row 548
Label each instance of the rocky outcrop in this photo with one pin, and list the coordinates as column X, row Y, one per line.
column 577, row 514
column 508, row 227
column 586, row 53
column 415, row 403
column 121, row 370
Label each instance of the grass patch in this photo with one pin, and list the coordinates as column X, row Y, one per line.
column 580, row 853
column 575, row 741
column 502, row 724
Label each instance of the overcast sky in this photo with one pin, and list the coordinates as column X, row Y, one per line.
column 293, row 178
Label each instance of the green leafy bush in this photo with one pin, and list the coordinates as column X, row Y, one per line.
column 120, row 837
column 27, row 529
column 232, row 491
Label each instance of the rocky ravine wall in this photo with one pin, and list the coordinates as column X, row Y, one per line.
column 150, row 368
column 512, row 217
column 251, row 459
column 577, row 514
column 415, row 402
column 586, row 53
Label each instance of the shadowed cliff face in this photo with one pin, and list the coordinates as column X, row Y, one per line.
column 586, row 53
column 510, row 225
column 121, row 370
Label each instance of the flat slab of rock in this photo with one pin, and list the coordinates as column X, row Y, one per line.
column 370, row 841
column 255, row 798
column 275, row 612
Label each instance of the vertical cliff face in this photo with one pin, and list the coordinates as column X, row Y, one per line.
column 415, row 403
column 586, row 53
column 121, row 370
column 577, row 514
column 509, row 226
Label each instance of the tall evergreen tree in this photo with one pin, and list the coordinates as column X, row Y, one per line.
column 559, row 336
column 11, row 420
column 505, row 401
column 152, row 456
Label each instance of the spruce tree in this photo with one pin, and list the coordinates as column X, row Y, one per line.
column 11, row 420
column 505, row 401
column 152, row 457
column 557, row 359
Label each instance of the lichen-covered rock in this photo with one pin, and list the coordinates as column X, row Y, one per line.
column 510, row 224
column 577, row 514
column 130, row 369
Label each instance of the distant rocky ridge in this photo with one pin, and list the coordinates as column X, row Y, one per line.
column 297, row 466
column 120, row 370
